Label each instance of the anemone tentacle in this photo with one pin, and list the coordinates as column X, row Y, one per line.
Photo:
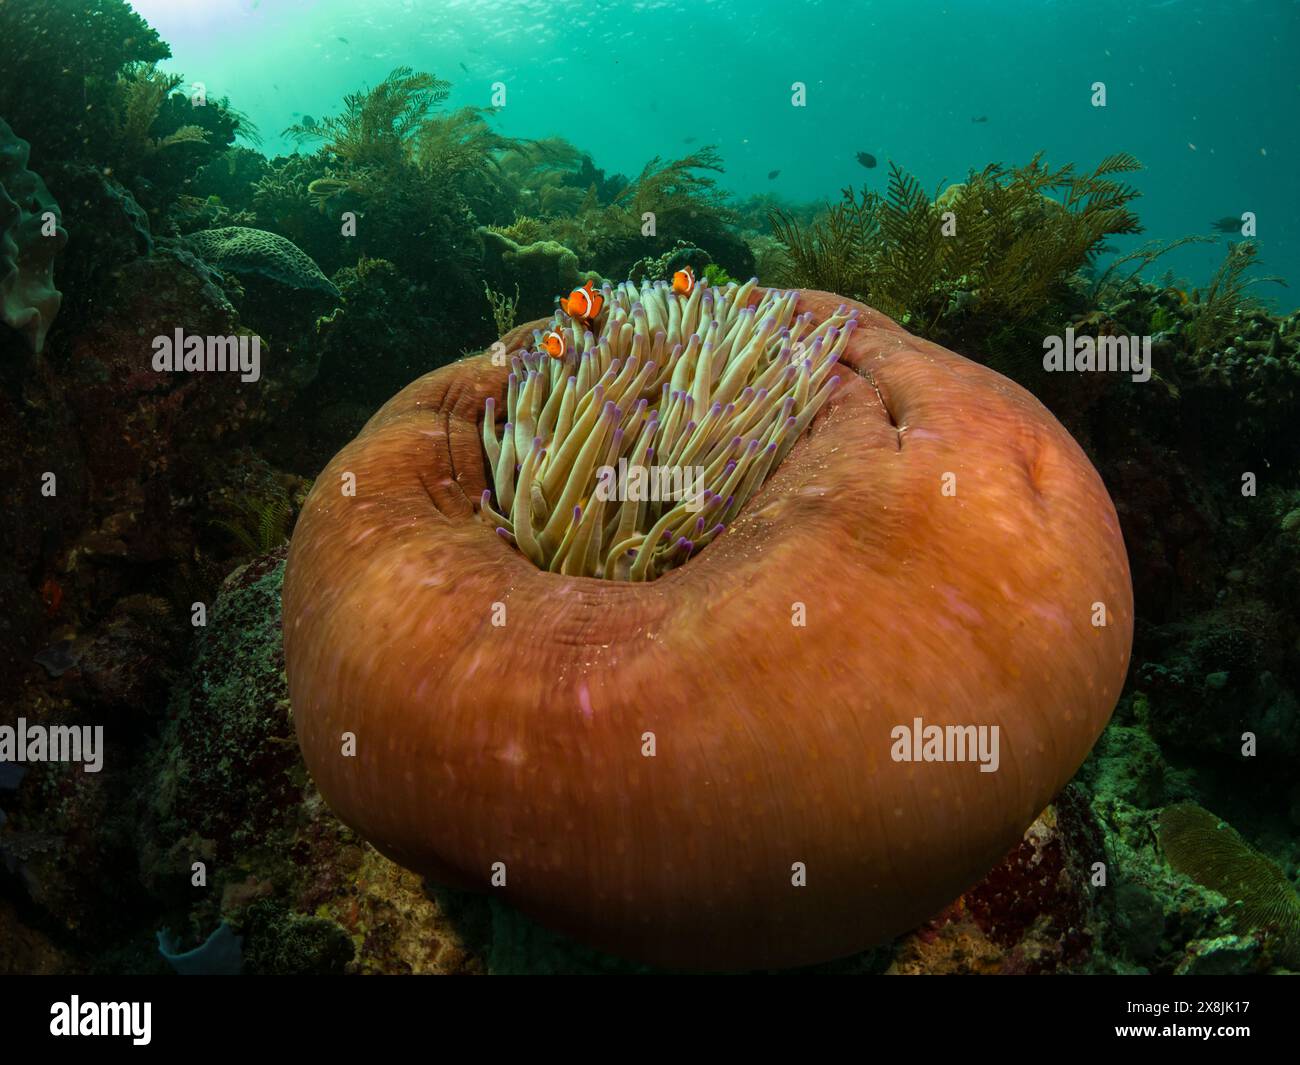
column 702, row 390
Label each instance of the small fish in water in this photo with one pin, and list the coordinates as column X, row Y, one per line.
column 980, row 118
column 688, row 140
column 464, row 68
column 583, row 303
column 684, row 281
column 867, row 159
column 308, row 122
column 773, row 175
column 1227, row 224
column 553, row 344
column 343, row 39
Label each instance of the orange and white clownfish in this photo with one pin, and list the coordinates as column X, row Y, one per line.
column 584, row 303
column 554, row 345
column 684, row 281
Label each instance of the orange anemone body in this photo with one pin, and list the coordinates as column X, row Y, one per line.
column 701, row 770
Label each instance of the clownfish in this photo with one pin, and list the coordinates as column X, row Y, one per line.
column 584, row 303
column 554, row 345
column 684, row 281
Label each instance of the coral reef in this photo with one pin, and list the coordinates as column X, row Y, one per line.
column 681, row 255
column 62, row 60
column 107, row 228
column 1035, row 913
column 420, row 175
column 308, row 896
column 400, row 214
column 538, row 270
column 607, row 224
column 986, row 261
column 228, row 788
column 31, row 236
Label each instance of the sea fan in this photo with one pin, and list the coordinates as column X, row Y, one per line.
column 1209, row 851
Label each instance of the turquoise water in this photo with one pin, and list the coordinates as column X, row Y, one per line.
column 1204, row 94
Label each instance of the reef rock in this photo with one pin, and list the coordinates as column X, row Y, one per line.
column 306, row 894
column 540, row 270
column 1224, row 956
column 31, row 236
column 1035, row 913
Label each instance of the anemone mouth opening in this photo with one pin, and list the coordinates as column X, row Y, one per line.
column 636, row 446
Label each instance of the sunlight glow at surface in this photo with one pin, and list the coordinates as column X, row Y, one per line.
column 180, row 16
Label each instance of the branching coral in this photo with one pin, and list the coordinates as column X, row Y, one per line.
column 138, row 98
column 693, row 400
column 282, row 200
column 1000, row 236
column 262, row 519
column 61, row 63
column 1226, row 299
column 603, row 220
column 421, row 177
column 377, row 126
column 681, row 255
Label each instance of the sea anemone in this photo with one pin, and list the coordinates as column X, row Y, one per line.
column 633, row 451
column 707, row 769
